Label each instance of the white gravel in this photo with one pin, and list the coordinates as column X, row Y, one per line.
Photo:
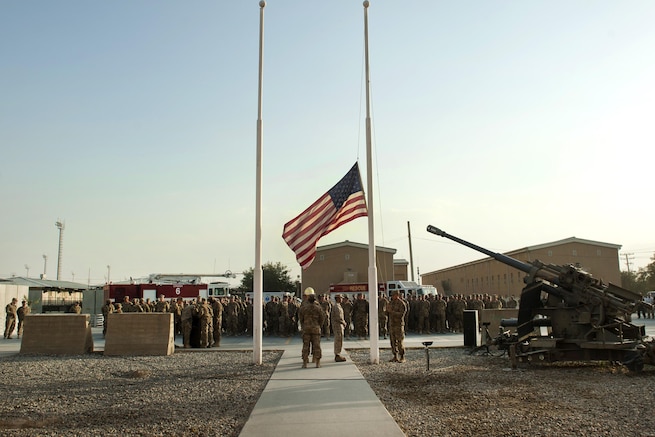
column 463, row 395
column 186, row 394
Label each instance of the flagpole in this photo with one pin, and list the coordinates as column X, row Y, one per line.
column 258, row 283
column 372, row 269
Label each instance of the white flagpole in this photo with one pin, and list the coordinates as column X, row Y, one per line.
column 258, row 282
column 372, row 269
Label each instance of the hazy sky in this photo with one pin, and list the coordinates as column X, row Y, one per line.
column 506, row 123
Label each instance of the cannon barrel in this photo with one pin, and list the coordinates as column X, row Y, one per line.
column 525, row 267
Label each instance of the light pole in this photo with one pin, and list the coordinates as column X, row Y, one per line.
column 108, row 272
column 45, row 263
column 27, row 271
column 60, row 225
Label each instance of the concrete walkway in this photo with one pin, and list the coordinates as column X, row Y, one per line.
column 334, row 399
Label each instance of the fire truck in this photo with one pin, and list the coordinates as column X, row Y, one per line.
column 116, row 292
column 352, row 290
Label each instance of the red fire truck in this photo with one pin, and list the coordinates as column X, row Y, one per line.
column 116, row 292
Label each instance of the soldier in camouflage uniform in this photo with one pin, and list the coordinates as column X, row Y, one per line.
column 382, row 315
column 324, row 302
column 162, row 306
column 347, row 307
column 217, row 322
column 187, row 323
column 107, row 309
column 311, row 317
column 396, row 309
column 360, row 316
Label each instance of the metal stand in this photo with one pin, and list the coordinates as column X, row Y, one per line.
column 427, row 345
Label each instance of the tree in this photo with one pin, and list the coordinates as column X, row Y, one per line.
column 276, row 278
column 642, row 280
column 646, row 276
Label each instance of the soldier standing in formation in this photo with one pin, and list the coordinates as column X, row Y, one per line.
column 21, row 312
column 107, row 309
column 187, row 323
column 347, row 307
column 326, row 305
column 338, row 323
column 382, row 315
column 162, row 306
column 217, row 309
column 397, row 309
column 360, row 317
column 204, row 313
column 311, row 317
column 10, row 323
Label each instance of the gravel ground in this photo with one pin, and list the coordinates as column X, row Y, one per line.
column 186, row 394
column 464, row 395
column 213, row 393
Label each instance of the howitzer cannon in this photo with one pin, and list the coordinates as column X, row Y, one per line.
column 585, row 319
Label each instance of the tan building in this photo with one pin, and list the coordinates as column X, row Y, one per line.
column 400, row 269
column 487, row 275
column 346, row 262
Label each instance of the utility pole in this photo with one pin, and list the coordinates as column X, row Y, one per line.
column 45, row 264
column 411, row 255
column 628, row 257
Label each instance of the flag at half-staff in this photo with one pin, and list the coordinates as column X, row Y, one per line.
column 342, row 203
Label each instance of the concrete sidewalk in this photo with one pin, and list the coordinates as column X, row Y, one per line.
column 334, row 399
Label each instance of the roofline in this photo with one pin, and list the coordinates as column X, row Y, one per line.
column 531, row 248
column 357, row 245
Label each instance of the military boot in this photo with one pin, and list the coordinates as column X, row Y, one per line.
column 318, row 362
column 304, row 364
column 339, row 359
column 394, row 359
column 402, row 358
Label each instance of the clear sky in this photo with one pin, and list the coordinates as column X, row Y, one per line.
column 506, row 123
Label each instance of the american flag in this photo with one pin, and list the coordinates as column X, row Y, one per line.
column 342, row 203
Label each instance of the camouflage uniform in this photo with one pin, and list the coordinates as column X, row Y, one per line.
column 107, row 309
column 326, row 305
column 347, row 307
column 217, row 323
column 187, row 323
column 162, row 306
column 440, row 305
column 423, row 308
column 382, row 316
column 311, row 317
column 360, row 316
column 396, row 309
column 204, row 314
column 12, row 314
column 21, row 312
column 338, row 322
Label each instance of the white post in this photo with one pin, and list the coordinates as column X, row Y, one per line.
column 258, row 280
column 372, row 269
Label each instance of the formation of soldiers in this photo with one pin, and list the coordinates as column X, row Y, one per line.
column 212, row 316
column 233, row 316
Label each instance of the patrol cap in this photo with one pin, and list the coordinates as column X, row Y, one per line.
column 309, row 291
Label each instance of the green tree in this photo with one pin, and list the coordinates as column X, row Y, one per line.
column 276, row 278
column 646, row 276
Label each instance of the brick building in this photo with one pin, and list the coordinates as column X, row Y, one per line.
column 346, row 262
column 490, row 276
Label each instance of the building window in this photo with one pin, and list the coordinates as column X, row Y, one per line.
column 575, row 252
column 598, row 252
column 550, row 253
column 347, row 256
column 321, row 257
